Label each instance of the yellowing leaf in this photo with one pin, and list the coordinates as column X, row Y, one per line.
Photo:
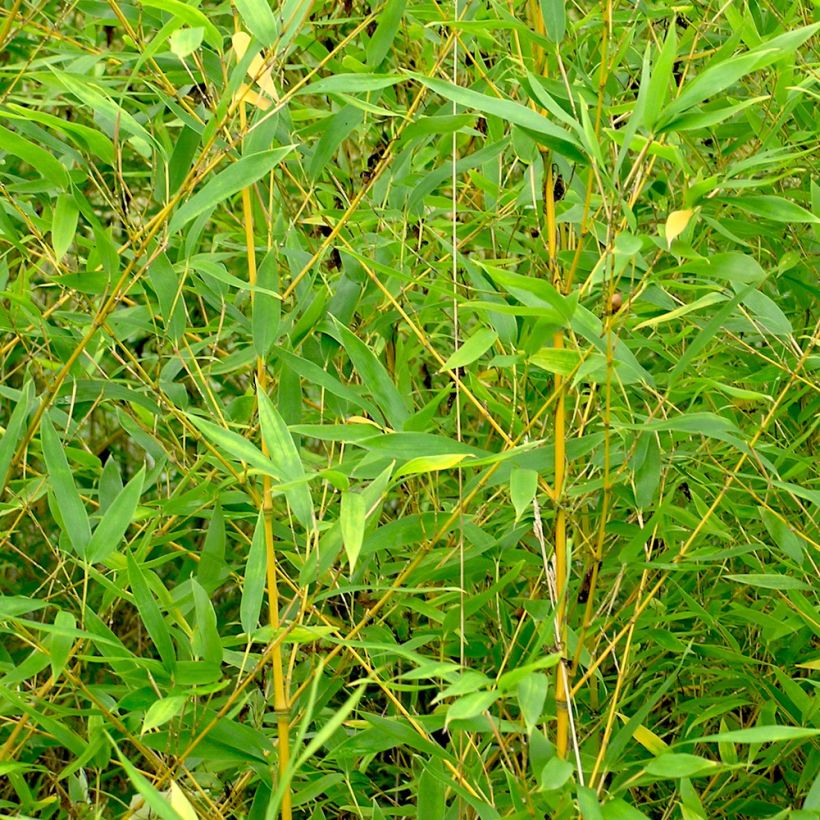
column 246, row 94
column 676, row 224
column 364, row 420
column 647, row 738
column 180, row 803
column 258, row 71
column 431, row 464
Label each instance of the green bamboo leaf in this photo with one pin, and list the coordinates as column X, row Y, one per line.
column 338, row 128
column 157, row 802
column 13, row 434
column 707, row 300
column 470, row 706
column 674, row 765
column 233, row 446
column 648, row 472
column 259, row 20
column 61, row 641
column 509, row 111
column 775, row 208
column 116, row 118
column 509, row 680
column 588, row 804
column 473, row 348
column 322, row 378
column 768, row 581
column 321, row 737
column 555, row 19
column 431, row 803
column 205, row 642
column 695, row 120
column 430, row 464
column 291, row 15
column 266, row 306
column 351, row 84
column 83, row 136
column 375, row 377
column 185, row 41
column 243, row 173
column 783, row 535
column 61, row 479
column 717, row 77
column 38, row 158
column 285, row 458
column 555, row 774
column 556, row 360
column 662, row 74
column 760, row 734
column 352, row 520
column 388, row 24
column 523, row 486
column 110, row 484
column 63, row 224
column 116, row 520
column 253, row 587
column 191, row 16
column 212, row 568
column 161, row 711
column 767, row 314
column 532, row 694
column 150, row 613
column 535, row 292
column 13, row 605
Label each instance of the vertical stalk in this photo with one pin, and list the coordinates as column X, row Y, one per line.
column 281, row 705
column 561, row 682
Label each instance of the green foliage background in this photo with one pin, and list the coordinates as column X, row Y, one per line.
column 239, row 286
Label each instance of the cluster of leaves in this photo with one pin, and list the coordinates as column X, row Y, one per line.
column 323, row 324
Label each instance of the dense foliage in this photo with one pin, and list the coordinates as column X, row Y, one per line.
column 409, row 409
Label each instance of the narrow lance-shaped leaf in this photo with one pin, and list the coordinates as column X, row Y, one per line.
column 109, row 532
column 285, row 458
column 38, row 158
column 555, row 19
column 191, row 15
column 14, row 432
column 244, row 172
column 266, row 306
column 61, row 641
column 719, row 76
column 352, row 521
column 212, row 567
column 63, row 225
column 259, row 20
column 153, row 798
column 523, row 486
column 205, row 642
column 375, row 377
column 473, row 348
column 150, row 613
column 388, row 24
column 61, row 479
column 253, row 587
column 233, row 446
column 509, row 111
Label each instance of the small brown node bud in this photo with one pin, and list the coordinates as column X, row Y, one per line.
column 615, row 302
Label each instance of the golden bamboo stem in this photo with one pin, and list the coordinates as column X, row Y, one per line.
column 281, row 704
